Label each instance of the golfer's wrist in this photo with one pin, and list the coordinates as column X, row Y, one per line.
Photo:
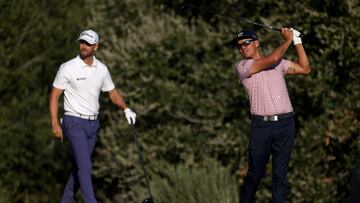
column 55, row 121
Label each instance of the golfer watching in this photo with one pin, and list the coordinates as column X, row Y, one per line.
column 81, row 79
column 272, row 122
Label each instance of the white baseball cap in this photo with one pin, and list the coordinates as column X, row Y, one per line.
column 90, row 36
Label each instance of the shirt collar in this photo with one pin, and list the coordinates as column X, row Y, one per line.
column 84, row 65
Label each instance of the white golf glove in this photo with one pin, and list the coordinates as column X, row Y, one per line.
column 130, row 116
column 296, row 37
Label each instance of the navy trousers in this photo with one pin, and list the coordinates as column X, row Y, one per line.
column 354, row 196
column 275, row 138
column 81, row 134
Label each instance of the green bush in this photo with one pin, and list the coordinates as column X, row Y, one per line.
column 206, row 182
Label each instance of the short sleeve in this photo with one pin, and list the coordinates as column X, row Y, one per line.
column 243, row 68
column 283, row 66
column 61, row 80
column 108, row 84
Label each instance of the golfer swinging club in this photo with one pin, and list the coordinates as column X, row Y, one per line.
column 81, row 79
column 272, row 122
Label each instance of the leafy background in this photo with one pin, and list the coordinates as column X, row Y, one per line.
column 175, row 70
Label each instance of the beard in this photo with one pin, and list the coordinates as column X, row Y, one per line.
column 85, row 54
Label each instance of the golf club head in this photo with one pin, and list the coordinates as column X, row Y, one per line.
column 148, row 200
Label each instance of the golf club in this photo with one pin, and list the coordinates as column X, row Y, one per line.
column 150, row 198
column 185, row 6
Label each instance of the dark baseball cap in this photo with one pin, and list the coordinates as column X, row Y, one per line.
column 244, row 34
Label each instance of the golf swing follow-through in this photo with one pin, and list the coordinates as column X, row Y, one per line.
column 272, row 121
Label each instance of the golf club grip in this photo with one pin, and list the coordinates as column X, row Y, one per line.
column 279, row 29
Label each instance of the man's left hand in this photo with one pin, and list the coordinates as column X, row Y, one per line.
column 130, row 116
column 296, row 38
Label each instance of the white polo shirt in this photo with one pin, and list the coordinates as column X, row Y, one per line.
column 82, row 85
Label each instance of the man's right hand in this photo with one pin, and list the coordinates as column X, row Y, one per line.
column 53, row 108
column 57, row 130
column 287, row 34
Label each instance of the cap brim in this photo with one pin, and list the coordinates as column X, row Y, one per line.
column 234, row 41
column 86, row 40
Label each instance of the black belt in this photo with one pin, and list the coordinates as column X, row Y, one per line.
column 273, row 117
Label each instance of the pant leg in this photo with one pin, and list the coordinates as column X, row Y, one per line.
column 71, row 187
column 283, row 141
column 354, row 196
column 259, row 153
column 81, row 135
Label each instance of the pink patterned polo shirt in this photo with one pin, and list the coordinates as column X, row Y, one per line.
column 267, row 91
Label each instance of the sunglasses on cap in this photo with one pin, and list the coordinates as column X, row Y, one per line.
column 245, row 43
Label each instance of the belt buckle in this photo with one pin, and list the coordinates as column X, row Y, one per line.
column 88, row 117
column 274, row 118
column 271, row 118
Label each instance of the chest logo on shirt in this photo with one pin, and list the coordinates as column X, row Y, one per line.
column 81, row 78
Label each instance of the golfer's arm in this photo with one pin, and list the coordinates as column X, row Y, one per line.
column 117, row 99
column 301, row 67
column 54, row 104
column 270, row 59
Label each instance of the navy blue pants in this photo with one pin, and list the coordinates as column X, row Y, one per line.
column 275, row 138
column 354, row 196
column 81, row 134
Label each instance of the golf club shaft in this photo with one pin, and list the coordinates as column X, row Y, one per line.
column 237, row 19
column 141, row 159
